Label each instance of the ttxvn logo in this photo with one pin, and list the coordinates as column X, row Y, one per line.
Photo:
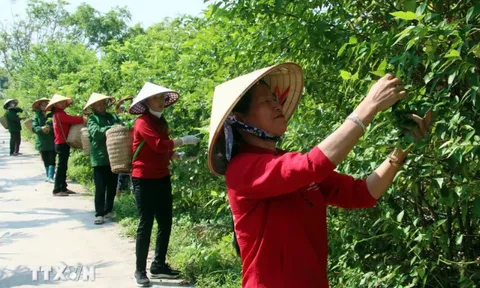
column 63, row 273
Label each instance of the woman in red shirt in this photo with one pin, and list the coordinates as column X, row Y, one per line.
column 61, row 126
column 278, row 198
column 153, row 151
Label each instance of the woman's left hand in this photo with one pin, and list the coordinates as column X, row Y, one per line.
column 423, row 127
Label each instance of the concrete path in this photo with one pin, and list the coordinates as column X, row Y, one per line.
column 39, row 230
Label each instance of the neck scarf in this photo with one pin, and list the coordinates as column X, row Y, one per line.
column 231, row 123
column 155, row 113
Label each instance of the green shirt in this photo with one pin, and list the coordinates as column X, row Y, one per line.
column 97, row 126
column 43, row 141
column 14, row 124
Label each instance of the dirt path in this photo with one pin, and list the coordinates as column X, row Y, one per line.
column 37, row 229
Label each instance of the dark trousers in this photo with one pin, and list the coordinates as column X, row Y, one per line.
column 48, row 158
column 63, row 152
column 123, row 182
column 15, row 140
column 105, row 183
column 154, row 200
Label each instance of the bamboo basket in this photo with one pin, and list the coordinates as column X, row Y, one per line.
column 85, row 141
column 74, row 138
column 119, row 148
column 4, row 122
column 29, row 124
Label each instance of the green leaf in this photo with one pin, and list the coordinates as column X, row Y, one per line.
column 406, row 15
column 400, row 216
column 439, row 181
column 403, row 34
column 452, row 54
column 382, row 66
column 459, row 239
column 421, row 272
column 428, row 77
column 451, row 78
column 345, row 75
column 477, row 51
column 476, row 207
column 469, row 13
column 470, row 135
column 353, row 40
column 342, row 49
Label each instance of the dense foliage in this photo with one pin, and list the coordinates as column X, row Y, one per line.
column 425, row 232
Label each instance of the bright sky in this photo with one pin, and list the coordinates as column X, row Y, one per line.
column 145, row 12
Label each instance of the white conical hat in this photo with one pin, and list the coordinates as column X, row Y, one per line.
column 8, row 101
column 286, row 78
column 96, row 97
column 138, row 105
column 57, row 98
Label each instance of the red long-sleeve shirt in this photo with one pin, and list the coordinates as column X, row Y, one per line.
column 154, row 157
column 66, row 121
column 278, row 202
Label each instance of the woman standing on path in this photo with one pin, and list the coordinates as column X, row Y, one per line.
column 61, row 126
column 14, row 125
column 105, row 181
column 153, row 151
column 44, row 138
column 278, row 198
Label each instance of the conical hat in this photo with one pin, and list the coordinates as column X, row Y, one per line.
column 149, row 90
column 96, row 97
column 57, row 99
column 8, row 101
column 286, row 78
column 38, row 101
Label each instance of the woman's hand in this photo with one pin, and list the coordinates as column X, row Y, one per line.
column 423, row 127
column 46, row 129
column 182, row 156
column 176, row 156
column 189, row 140
column 385, row 92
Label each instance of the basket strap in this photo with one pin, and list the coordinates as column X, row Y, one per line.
column 139, row 147
column 63, row 133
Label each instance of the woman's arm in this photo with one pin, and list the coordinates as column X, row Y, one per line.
column 95, row 131
column 379, row 181
column 36, row 125
column 381, row 96
column 67, row 119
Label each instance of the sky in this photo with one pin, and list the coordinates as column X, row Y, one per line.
column 145, row 12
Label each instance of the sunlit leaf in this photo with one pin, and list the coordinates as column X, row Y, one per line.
column 406, row 15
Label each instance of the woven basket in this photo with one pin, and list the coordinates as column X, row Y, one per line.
column 85, row 141
column 74, row 138
column 4, row 122
column 28, row 123
column 119, row 148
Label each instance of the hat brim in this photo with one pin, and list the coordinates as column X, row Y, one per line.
column 88, row 108
column 6, row 103
column 36, row 103
column 139, row 106
column 49, row 107
column 285, row 76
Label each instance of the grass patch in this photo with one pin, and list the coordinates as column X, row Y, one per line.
column 202, row 251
